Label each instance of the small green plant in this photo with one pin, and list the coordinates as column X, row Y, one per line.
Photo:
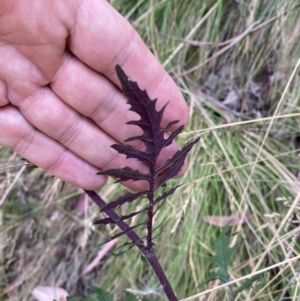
column 155, row 140
column 222, row 259
column 98, row 295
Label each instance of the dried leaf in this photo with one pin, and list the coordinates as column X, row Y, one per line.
column 231, row 100
column 101, row 253
column 82, row 203
column 48, row 293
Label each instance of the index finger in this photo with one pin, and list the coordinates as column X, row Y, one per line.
column 102, row 38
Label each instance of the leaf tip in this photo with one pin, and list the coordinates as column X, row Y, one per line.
column 121, row 74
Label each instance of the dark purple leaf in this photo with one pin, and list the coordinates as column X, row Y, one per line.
column 173, row 166
column 108, row 220
column 150, row 119
column 171, row 137
column 165, row 194
column 170, row 124
column 131, row 152
column 126, row 198
column 125, row 174
column 126, row 231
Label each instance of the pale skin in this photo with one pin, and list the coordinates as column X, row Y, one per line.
column 61, row 106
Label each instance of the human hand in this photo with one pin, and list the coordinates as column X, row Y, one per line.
column 61, row 106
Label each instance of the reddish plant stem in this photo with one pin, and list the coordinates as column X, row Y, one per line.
column 148, row 252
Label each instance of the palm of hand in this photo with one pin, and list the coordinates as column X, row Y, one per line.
column 60, row 106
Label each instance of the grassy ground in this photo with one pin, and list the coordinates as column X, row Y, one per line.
column 237, row 63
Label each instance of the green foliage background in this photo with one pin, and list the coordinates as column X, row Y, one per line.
column 246, row 165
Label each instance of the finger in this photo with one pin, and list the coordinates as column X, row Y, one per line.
column 102, row 42
column 18, row 134
column 50, row 115
column 20, row 77
column 95, row 97
column 3, row 91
